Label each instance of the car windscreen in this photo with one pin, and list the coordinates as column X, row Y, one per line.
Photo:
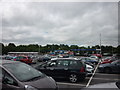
column 23, row 72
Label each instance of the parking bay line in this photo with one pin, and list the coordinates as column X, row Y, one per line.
column 71, row 84
column 92, row 75
column 106, row 74
column 106, row 79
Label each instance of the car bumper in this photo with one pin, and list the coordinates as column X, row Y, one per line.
column 89, row 73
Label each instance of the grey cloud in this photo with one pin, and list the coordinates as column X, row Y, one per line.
column 69, row 23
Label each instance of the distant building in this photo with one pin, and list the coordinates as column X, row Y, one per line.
column 23, row 53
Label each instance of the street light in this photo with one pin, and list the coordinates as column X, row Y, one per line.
column 39, row 49
column 100, row 45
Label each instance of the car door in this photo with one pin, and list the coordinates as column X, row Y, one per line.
column 51, row 68
column 8, row 82
column 62, row 68
column 48, row 68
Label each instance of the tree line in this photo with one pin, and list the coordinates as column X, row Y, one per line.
column 11, row 47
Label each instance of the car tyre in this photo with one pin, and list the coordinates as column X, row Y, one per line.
column 73, row 78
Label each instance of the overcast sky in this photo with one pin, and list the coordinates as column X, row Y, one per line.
column 60, row 23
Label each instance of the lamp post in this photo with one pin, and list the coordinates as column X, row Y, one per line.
column 39, row 50
column 100, row 45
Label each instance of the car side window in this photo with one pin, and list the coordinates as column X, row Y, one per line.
column 73, row 63
column 24, row 58
column 20, row 57
column 8, row 79
column 63, row 63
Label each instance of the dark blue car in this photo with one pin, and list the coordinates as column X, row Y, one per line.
column 89, row 60
column 113, row 67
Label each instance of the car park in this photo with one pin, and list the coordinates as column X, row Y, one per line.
column 67, row 68
column 17, row 75
column 113, row 67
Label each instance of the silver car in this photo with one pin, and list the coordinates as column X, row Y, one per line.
column 17, row 75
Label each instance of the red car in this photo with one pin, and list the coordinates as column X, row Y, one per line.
column 108, row 60
column 25, row 59
column 98, row 55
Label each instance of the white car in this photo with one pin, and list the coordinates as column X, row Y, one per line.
column 89, row 70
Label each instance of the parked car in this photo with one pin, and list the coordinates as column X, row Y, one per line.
column 94, row 57
column 8, row 57
column 34, row 59
column 108, row 60
column 88, row 63
column 113, row 67
column 89, row 70
column 25, row 59
column 68, row 68
column 17, row 75
column 88, row 59
column 98, row 55
column 44, row 58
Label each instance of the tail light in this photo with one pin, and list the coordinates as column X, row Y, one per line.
column 82, row 69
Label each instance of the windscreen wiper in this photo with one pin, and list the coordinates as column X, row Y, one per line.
column 34, row 78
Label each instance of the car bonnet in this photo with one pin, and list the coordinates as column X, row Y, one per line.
column 46, row 82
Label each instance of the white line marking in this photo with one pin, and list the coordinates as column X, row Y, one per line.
column 70, row 84
column 92, row 75
column 106, row 79
column 107, row 74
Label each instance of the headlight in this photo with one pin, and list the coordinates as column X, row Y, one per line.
column 28, row 87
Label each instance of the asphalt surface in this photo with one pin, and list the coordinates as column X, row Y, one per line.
column 97, row 78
